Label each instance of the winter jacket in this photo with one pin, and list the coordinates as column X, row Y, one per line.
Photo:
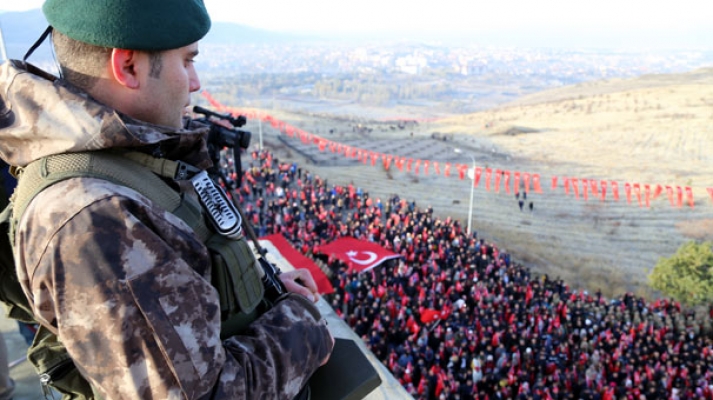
column 126, row 285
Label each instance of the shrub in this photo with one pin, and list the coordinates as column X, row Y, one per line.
column 686, row 276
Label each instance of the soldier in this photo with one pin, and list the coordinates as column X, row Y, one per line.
column 124, row 284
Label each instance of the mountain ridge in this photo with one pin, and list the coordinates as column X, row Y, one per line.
column 22, row 28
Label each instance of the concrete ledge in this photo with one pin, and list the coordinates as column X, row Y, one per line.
column 390, row 388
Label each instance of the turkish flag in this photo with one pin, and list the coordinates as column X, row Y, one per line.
column 359, row 255
column 575, row 186
column 637, row 192
column 281, row 253
column 478, row 172
column 429, row 315
column 603, row 184
column 536, row 183
column 462, row 169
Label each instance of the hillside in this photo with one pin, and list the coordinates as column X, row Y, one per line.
column 654, row 129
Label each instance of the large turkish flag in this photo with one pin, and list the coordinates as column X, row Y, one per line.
column 281, row 252
column 359, row 255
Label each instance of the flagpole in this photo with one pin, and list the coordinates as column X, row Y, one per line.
column 3, row 52
column 472, row 187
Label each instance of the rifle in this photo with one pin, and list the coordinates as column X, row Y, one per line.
column 348, row 375
column 219, row 138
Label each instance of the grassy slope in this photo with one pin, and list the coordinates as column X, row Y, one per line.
column 655, row 129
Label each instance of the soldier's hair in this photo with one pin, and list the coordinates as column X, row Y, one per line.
column 82, row 64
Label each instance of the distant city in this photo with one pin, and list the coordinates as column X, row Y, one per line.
column 442, row 78
column 249, row 66
column 561, row 65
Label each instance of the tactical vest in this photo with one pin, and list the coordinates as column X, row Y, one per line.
column 236, row 274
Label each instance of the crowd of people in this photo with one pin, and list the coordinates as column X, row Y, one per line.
column 456, row 318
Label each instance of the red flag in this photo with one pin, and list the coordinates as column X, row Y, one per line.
column 585, row 188
column 637, row 192
column 669, row 192
column 627, row 188
column 575, row 186
column 679, row 193
column 425, row 167
column 281, row 252
column 615, row 190
column 647, row 195
column 536, row 183
column 566, row 186
column 689, row 195
column 436, row 167
column 507, row 181
column 387, row 162
column 516, row 184
column 498, row 175
column 358, row 254
column 594, row 187
column 526, row 180
column 710, row 192
column 447, row 171
column 657, row 191
column 554, row 182
column 462, row 169
column 478, row 172
column 488, row 173
column 603, row 184
column 399, row 163
column 429, row 315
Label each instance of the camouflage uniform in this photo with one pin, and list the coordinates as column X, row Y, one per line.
column 126, row 285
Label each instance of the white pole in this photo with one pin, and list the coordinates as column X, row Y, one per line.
column 3, row 52
column 472, row 190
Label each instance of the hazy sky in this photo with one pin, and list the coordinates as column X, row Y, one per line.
column 654, row 20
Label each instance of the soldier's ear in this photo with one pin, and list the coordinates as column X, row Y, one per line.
column 124, row 67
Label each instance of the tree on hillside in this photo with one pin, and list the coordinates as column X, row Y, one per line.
column 686, row 276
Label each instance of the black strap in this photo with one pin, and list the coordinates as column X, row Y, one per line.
column 37, row 43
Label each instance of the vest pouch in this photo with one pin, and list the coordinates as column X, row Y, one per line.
column 236, row 276
column 56, row 369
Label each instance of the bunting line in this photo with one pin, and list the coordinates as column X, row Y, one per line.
column 641, row 194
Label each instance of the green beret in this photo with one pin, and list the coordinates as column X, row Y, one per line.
column 130, row 24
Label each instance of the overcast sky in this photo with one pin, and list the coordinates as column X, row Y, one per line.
column 681, row 22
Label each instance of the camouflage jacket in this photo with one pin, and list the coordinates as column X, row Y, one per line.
column 126, row 285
